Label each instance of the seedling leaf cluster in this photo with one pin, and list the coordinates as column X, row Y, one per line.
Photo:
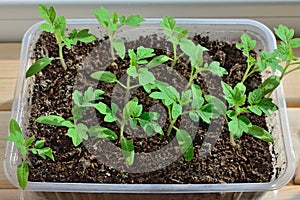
column 234, row 105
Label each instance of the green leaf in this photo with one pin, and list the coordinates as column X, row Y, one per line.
column 169, row 91
column 269, row 85
column 77, row 98
column 176, row 34
column 75, row 36
column 133, row 59
column 115, row 17
column 17, row 137
column 77, row 113
column 78, row 133
column 214, row 67
column 133, row 123
column 295, row 43
column 39, row 144
column 38, row 66
column 84, row 36
column 235, row 96
column 195, row 52
column 268, row 59
column 105, row 110
column 198, row 100
column 132, row 71
column 76, row 139
column 176, row 111
column 92, row 95
column 284, row 33
column 168, row 23
column 231, row 114
column 103, row 133
column 157, row 61
column 206, row 113
column 260, row 133
column 47, row 14
column 258, row 104
column 237, row 126
column 255, row 109
column 132, row 109
column 218, row 106
column 134, row 20
column 53, row 120
column 145, row 76
column 119, row 46
column 45, row 152
column 147, row 122
column 266, row 105
column 149, row 87
column 14, row 127
column 60, row 25
column 143, row 53
column 47, row 28
column 114, row 108
column 34, row 151
column 104, row 76
column 22, row 174
column 68, row 42
column 185, row 143
column 128, row 151
column 29, row 141
column 81, row 130
column 103, row 16
column 186, row 97
column 247, row 44
column 102, row 108
column 194, row 116
column 122, row 19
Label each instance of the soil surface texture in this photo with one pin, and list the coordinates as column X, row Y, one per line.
column 158, row 158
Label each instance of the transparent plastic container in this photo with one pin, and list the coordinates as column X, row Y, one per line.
column 216, row 29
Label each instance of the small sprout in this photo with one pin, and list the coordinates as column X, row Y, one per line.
column 26, row 145
column 112, row 23
column 175, row 104
column 132, row 114
column 176, row 35
column 57, row 26
column 283, row 53
column 78, row 131
column 139, row 68
column 195, row 53
column 239, row 124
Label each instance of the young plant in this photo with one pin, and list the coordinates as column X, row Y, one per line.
column 258, row 100
column 258, row 104
column 57, row 26
column 132, row 112
column 77, row 130
column 139, row 68
column 26, row 146
column 195, row 53
column 132, row 115
column 283, row 53
column 176, row 35
column 112, row 23
column 175, row 103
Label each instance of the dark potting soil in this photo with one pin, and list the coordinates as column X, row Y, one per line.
column 158, row 158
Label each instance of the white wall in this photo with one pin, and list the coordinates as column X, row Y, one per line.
column 16, row 16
